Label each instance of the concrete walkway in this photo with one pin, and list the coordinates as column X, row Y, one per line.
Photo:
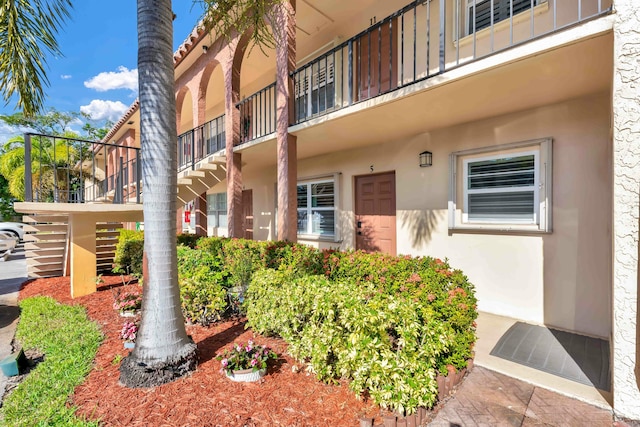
column 13, row 272
column 487, row 398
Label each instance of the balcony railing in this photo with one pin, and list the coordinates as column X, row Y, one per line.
column 258, row 114
column 424, row 39
column 67, row 170
column 200, row 142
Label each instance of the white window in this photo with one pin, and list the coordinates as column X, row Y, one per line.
column 318, row 96
column 317, row 208
column 506, row 187
column 502, row 10
column 217, row 210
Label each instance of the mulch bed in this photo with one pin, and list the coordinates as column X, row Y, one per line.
column 286, row 396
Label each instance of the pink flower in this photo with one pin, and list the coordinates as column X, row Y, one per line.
column 254, row 362
column 225, row 363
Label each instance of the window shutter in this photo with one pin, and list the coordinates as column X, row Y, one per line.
column 501, row 11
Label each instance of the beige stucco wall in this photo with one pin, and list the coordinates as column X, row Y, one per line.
column 626, row 205
column 560, row 279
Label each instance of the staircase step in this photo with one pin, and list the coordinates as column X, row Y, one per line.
column 45, row 228
column 44, row 237
column 35, row 253
column 31, row 219
column 44, row 274
column 105, row 255
column 42, row 260
column 109, row 226
column 105, row 249
column 41, row 268
column 29, row 246
column 104, row 234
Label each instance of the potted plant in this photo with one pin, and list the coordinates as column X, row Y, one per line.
column 128, row 303
column 246, row 363
column 128, row 333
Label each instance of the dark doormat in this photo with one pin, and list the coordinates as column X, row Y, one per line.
column 574, row 357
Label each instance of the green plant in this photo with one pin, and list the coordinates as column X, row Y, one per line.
column 249, row 356
column 388, row 324
column 189, row 240
column 129, row 252
column 116, row 359
column 69, row 342
column 202, row 279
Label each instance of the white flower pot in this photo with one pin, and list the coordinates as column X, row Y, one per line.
column 246, row 375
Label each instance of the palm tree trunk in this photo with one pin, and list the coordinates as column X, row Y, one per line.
column 163, row 351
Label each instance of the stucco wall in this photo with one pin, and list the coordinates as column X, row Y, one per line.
column 561, row 279
column 626, row 172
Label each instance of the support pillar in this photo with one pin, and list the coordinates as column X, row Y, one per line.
column 82, row 233
column 231, row 72
column 287, row 151
column 200, row 207
column 626, row 206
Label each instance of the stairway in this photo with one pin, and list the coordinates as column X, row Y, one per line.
column 47, row 247
column 207, row 173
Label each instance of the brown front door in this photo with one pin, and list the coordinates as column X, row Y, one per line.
column 376, row 213
column 247, row 214
column 377, row 60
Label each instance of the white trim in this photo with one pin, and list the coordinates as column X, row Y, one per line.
column 542, row 148
column 309, row 208
column 467, row 191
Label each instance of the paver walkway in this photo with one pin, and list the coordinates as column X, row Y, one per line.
column 13, row 272
column 487, row 398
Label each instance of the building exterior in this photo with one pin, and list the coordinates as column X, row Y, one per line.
column 506, row 141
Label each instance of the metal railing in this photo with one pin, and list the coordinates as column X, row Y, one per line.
column 200, row 142
column 67, row 170
column 258, row 114
column 424, row 39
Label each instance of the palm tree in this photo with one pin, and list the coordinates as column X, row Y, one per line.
column 163, row 350
column 27, row 35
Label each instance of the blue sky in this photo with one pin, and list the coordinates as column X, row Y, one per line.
column 97, row 73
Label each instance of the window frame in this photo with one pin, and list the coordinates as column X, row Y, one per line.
column 215, row 213
column 321, row 77
column 468, row 23
column 543, row 167
column 309, row 209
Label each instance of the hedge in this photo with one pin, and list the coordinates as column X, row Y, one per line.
column 387, row 324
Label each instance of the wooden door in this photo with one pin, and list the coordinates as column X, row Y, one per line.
column 377, row 60
column 247, row 214
column 376, row 213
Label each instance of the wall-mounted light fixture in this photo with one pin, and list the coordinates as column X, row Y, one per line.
column 205, row 48
column 426, row 159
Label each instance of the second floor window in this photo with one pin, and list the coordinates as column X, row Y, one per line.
column 502, row 10
column 315, row 88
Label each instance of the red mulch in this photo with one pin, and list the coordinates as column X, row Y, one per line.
column 206, row 398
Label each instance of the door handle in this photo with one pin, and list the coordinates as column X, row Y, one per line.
column 359, row 224
column 359, row 233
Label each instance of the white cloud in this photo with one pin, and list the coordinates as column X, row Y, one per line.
column 99, row 109
column 66, row 76
column 108, row 80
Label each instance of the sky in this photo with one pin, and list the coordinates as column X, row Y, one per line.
column 97, row 73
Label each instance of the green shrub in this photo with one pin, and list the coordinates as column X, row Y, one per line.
column 202, row 285
column 451, row 298
column 190, row 240
column 129, row 250
column 69, row 342
column 385, row 344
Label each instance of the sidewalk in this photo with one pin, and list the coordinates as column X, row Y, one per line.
column 13, row 272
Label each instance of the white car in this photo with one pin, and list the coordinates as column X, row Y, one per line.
column 14, row 228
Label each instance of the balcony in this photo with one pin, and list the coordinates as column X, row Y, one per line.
column 418, row 42
column 66, row 170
